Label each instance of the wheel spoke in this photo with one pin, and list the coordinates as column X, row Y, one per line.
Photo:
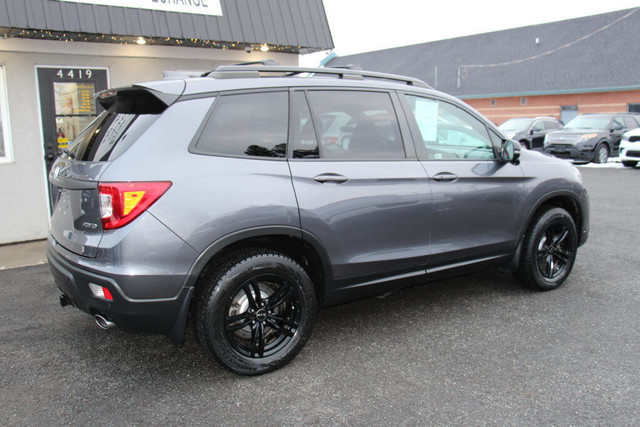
column 284, row 321
column 257, row 340
column 233, row 323
column 280, row 296
column 558, row 240
column 256, row 290
column 250, row 298
column 279, row 328
column 562, row 257
column 550, row 266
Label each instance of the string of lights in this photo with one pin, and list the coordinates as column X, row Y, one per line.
column 164, row 41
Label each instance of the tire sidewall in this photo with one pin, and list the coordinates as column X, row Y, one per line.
column 601, row 146
column 227, row 285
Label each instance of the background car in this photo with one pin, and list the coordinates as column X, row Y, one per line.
column 630, row 148
column 529, row 132
column 590, row 137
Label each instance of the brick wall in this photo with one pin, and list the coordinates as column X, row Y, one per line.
column 550, row 105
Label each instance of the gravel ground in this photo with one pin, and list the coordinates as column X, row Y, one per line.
column 474, row 350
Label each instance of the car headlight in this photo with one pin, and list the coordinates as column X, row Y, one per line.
column 545, row 141
column 586, row 137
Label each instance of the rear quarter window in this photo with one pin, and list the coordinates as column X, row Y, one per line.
column 248, row 124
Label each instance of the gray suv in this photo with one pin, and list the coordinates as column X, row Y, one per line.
column 243, row 201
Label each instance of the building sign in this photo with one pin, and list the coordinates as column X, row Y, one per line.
column 199, row 7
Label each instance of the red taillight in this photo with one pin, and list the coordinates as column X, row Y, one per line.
column 122, row 202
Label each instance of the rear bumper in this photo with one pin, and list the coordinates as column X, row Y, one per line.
column 162, row 315
column 569, row 152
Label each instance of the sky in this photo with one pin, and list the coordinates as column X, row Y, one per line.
column 366, row 25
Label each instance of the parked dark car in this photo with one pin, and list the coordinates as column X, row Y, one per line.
column 247, row 199
column 530, row 132
column 590, row 137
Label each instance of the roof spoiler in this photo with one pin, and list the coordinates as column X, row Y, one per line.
column 136, row 100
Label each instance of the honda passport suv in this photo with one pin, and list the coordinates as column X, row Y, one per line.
column 244, row 200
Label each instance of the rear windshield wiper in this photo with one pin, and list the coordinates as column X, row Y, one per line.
column 69, row 153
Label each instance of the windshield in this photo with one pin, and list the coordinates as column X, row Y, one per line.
column 516, row 125
column 588, row 122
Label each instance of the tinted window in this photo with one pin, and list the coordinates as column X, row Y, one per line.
column 629, row 122
column 354, row 124
column 109, row 135
column 537, row 126
column 448, row 132
column 303, row 136
column 252, row 124
column 549, row 125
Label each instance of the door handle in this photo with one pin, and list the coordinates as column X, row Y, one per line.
column 445, row 177
column 331, row 177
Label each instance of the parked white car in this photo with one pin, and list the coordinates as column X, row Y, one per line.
column 630, row 148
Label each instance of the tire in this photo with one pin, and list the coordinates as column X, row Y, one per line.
column 601, row 153
column 629, row 164
column 549, row 250
column 255, row 311
column 525, row 144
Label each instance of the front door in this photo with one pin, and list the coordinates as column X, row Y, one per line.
column 476, row 198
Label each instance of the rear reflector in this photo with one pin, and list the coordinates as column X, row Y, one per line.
column 100, row 292
column 122, row 202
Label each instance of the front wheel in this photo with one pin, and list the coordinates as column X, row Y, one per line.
column 549, row 250
column 602, row 154
column 255, row 312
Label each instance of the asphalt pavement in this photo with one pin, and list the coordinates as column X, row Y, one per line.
column 475, row 350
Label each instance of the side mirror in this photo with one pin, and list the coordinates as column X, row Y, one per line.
column 510, row 151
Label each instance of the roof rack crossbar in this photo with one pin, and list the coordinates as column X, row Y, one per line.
column 232, row 71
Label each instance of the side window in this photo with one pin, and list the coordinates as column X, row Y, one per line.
column 537, row 126
column 629, row 122
column 356, row 125
column 448, row 132
column 617, row 124
column 303, row 135
column 5, row 134
column 253, row 124
column 549, row 125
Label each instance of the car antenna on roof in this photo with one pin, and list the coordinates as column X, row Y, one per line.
column 265, row 62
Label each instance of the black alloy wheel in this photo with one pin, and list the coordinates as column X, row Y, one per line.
column 549, row 249
column 262, row 318
column 554, row 252
column 254, row 311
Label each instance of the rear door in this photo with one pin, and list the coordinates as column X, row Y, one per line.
column 361, row 190
column 477, row 200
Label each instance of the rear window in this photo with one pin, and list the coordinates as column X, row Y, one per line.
column 109, row 135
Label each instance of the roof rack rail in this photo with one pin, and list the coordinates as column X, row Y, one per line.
column 261, row 62
column 238, row 72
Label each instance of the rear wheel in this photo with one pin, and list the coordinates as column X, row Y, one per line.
column 256, row 311
column 629, row 164
column 549, row 250
column 602, row 153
